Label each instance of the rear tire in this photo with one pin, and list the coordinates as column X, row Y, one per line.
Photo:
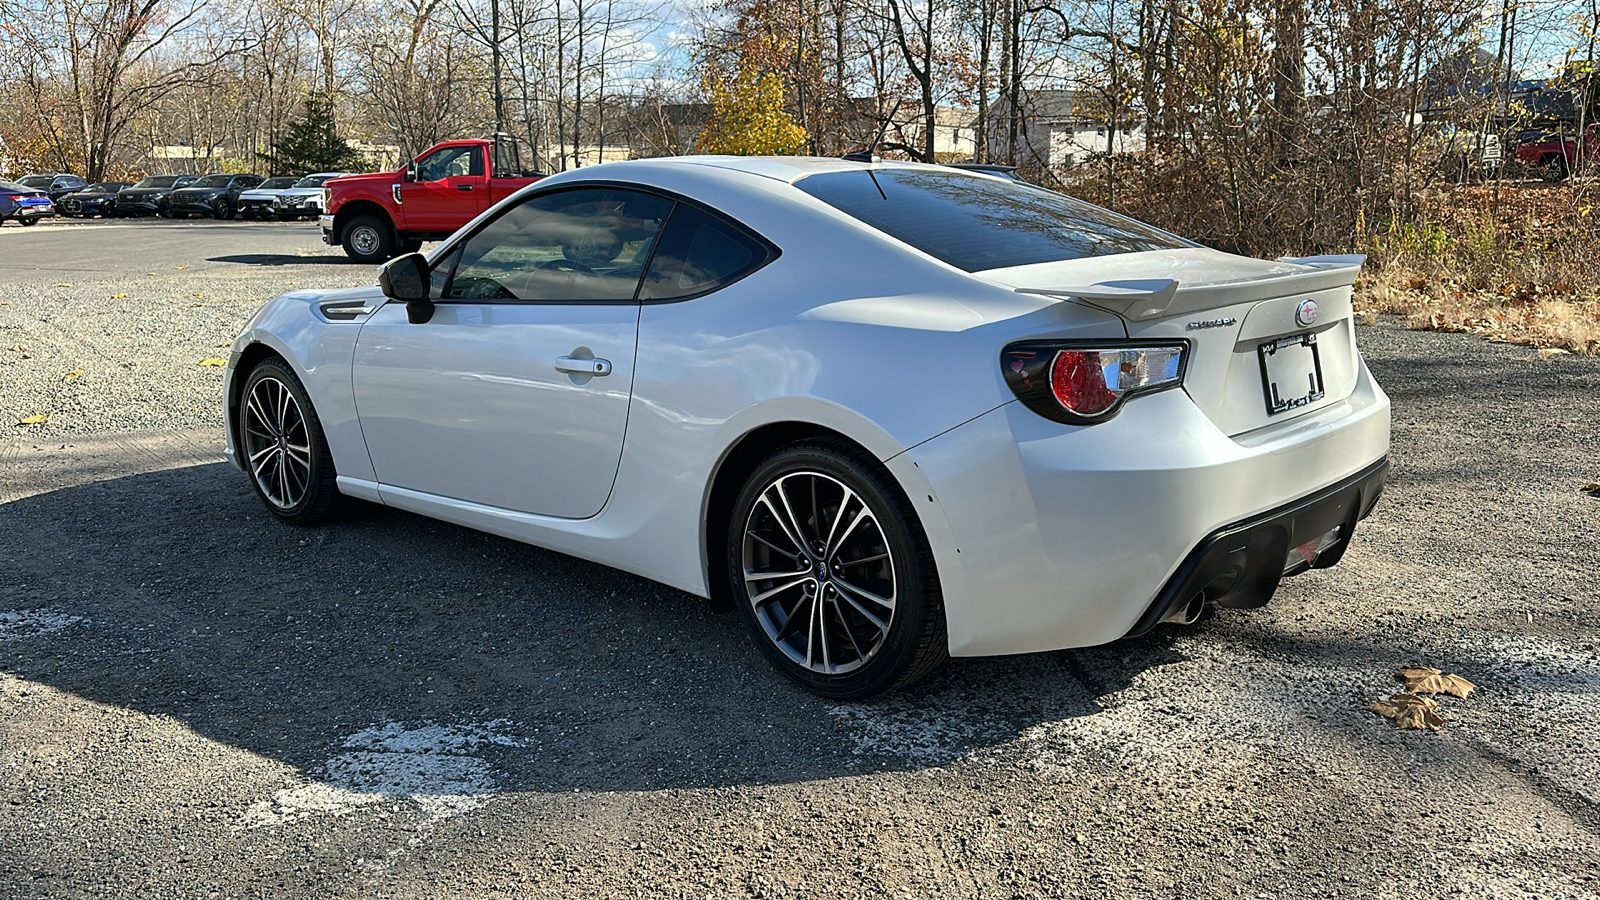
column 222, row 211
column 822, row 540
column 28, row 222
column 284, row 450
column 368, row 239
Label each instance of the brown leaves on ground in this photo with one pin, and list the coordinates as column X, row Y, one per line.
column 74, row 375
column 1423, row 680
column 1410, row 711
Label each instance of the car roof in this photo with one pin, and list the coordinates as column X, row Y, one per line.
column 787, row 169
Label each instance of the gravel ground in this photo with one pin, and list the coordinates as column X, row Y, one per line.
column 195, row 701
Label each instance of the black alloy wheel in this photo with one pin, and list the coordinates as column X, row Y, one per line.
column 832, row 575
column 283, row 448
column 222, row 210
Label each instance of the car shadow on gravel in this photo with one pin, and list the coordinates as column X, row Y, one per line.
column 279, row 259
column 184, row 599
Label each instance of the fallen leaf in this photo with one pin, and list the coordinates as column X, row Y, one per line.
column 1552, row 352
column 20, row 348
column 180, row 267
column 40, row 419
column 1592, row 487
column 64, row 284
column 1409, row 711
column 149, row 273
column 119, row 296
column 199, row 293
column 1423, row 680
column 74, row 375
column 228, row 344
column 213, row 361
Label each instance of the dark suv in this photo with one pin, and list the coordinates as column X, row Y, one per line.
column 149, row 196
column 215, row 195
column 56, row 184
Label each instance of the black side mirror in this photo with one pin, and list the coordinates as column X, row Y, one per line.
column 406, row 278
column 411, row 171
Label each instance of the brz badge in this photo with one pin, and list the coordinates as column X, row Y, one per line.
column 1223, row 322
column 1306, row 313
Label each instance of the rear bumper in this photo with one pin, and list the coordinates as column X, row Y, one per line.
column 1240, row 565
column 1049, row 536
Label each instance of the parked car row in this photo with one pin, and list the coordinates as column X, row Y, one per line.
column 219, row 195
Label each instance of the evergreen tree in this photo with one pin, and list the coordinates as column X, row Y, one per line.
column 313, row 143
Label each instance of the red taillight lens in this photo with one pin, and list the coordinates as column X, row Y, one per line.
column 1079, row 383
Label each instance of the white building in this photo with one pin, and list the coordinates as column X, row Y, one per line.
column 1060, row 128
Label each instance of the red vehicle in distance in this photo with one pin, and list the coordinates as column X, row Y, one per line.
column 1558, row 156
column 379, row 216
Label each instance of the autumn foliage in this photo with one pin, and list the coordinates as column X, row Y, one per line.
column 748, row 117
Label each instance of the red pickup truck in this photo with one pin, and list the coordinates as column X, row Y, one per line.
column 1559, row 155
column 379, row 216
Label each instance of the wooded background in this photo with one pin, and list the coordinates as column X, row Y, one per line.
column 1265, row 125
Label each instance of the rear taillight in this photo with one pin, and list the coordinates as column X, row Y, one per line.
column 1081, row 384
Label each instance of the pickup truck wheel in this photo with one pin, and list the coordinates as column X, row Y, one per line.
column 367, row 239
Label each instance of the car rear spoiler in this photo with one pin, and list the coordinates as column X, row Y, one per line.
column 1138, row 300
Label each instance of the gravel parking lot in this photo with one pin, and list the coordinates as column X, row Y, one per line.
column 196, row 701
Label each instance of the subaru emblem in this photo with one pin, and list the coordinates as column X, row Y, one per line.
column 1306, row 313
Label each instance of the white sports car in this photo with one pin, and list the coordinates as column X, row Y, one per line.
column 888, row 412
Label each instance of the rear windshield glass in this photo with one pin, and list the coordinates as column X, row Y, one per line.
column 103, row 187
column 277, row 184
column 157, row 181
column 213, row 181
column 314, row 180
column 976, row 223
column 36, row 181
column 14, row 186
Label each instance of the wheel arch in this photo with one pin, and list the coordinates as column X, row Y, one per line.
column 361, row 208
column 738, row 461
column 251, row 356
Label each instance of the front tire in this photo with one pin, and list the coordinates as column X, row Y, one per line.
column 283, row 448
column 832, row 574
column 368, row 239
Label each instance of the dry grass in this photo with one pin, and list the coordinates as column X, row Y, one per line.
column 1518, row 263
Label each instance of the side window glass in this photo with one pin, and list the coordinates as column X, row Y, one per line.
column 589, row 244
column 699, row 254
column 449, row 163
column 439, row 276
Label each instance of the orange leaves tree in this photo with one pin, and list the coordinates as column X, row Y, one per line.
column 747, row 74
column 748, row 117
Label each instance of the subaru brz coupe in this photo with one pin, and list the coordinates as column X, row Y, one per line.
column 888, row 412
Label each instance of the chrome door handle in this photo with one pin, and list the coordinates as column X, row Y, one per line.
column 574, row 366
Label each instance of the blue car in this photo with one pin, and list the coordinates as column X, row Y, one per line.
column 24, row 204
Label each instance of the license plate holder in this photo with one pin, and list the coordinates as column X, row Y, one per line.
column 1291, row 373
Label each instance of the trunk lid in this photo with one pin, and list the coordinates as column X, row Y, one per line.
column 1260, row 332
